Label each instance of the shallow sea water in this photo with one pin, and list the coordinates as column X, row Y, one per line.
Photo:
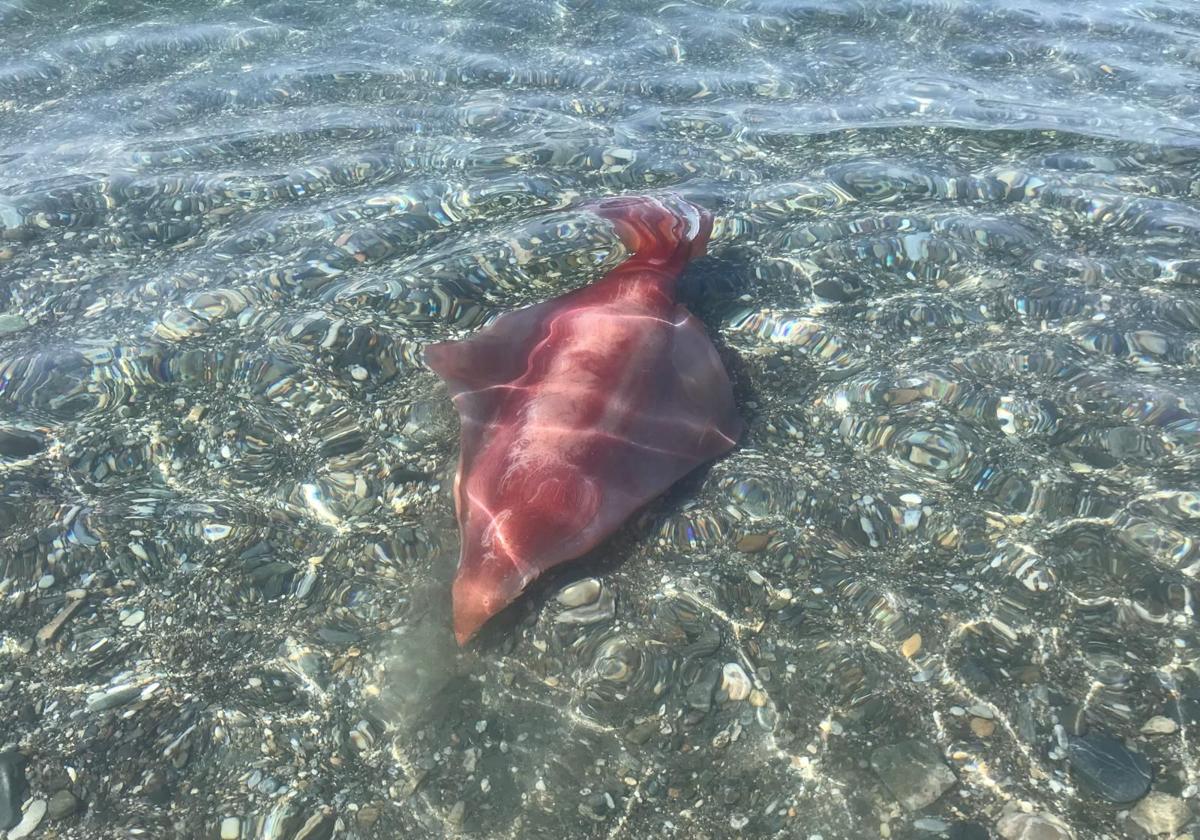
column 946, row 586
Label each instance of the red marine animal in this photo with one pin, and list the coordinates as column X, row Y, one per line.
column 578, row 411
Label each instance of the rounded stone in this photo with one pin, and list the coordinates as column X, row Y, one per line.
column 11, row 323
column 1033, row 827
column 30, row 820
column 62, row 805
column 1159, row 725
column 1109, row 768
column 580, row 593
column 914, row 772
column 982, row 728
column 1161, row 813
column 735, row 681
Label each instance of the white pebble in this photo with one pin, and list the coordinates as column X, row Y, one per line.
column 735, row 681
column 30, row 820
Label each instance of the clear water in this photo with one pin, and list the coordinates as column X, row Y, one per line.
column 955, row 275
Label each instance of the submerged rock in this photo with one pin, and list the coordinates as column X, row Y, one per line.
column 914, row 772
column 1109, row 768
column 1159, row 725
column 1033, row 827
column 1161, row 813
column 62, row 805
column 30, row 820
column 11, row 323
column 580, row 593
column 735, row 681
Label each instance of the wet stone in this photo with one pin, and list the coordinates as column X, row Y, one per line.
column 368, row 815
column 700, row 692
column 603, row 609
column 318, row 827
column 11, row 323
column 735, row 681
column 132, row 618
column 914, row 772
column 753, row 543
column 1109, row 768
column 983, row 728
column 1161, row 813
column 62, row 805
column 110, row 698
column 1033, row 827
column 30, row 820
column 580, row 593
column 1159, row 725
column 12, row 788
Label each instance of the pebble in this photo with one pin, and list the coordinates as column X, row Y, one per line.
column 699, row 693
column 62, row 805
column 118, row 695
column 1159, row 725
column 580, row 593
column 318, row 827
column 45, row 581
column 1109, row 768
column 368, row 815
column 132, row 618
column 753, row 543
column 12, row 788
column 30, row 820
column 914, row 772
column 358, row 373
column 1161, row 813
column 930, row 824
column 231, row 828
column 982, row 728
column 603, row 609
column 1033, row 827
column 11, row 323
column 911, row 646
column 735, row 681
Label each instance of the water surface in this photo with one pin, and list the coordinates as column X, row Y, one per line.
column 955, row 275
